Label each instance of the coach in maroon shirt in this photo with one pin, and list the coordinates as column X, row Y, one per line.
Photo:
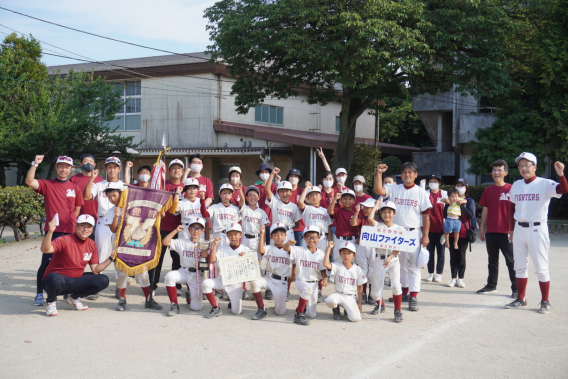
column 65, row 274
column 495, row 215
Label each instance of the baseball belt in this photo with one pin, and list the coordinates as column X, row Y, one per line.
column 528, row 224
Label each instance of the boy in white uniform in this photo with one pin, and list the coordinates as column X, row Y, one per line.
column 313, row 214
column 308, row 270
column 278, row 271
column 223, row 214
column 253, row 219
column 413, row 213
column 234, row 291
column 192, row 206
column 283, row 210
column 189, row 252
column 349, row 280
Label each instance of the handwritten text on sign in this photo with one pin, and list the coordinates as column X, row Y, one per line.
column 384, row 238
column 239, row 269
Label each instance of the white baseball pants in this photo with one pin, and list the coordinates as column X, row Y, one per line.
column 532, row 242
column 279, row 289
column 308, row 291
column 378, row 277
column 183, row 276
column 143, row 278
column 235, row 292
column 409, row 273
column 103, row 238
column 348, row 302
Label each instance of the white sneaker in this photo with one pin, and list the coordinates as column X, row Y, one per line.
column 430, row 277
column 50, row 309
column 461, row 283
column 76, row 303
column 451, row 283
column 438, row 278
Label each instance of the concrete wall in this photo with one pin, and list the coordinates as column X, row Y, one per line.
column 428, row 162
column 470, row 123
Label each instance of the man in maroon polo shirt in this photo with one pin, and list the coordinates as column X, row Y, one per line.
column 65, row 274
column 62, row 198
column 81, row 180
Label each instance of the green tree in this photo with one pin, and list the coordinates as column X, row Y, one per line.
column 401, row 125
column 394, row 163
column 356, row 52
column 365, row 161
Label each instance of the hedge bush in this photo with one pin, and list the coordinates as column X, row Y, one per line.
column 19, row 207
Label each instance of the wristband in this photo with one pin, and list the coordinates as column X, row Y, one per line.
column 34, row 164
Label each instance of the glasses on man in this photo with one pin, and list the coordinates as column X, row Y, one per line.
column 499, row 171
column 196, row 228
column 525, row 166
column 311, row 238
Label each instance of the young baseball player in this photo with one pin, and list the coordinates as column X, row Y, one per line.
column 112, row 220
column 528, row 227
column 188, row 273
column 283, row 210
column 223, row 214
column 343, row 214
column 452, row 223
column 349, row 279
column 144, row 171
column 253, row 219
column 308, row 270
column 234, row 291
column 192, row 206
column 413, row 207
column 62, row 198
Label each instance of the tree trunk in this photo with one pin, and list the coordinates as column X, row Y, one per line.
column 21, row 174
column 351, row 109
column 3, row 176
column 50, row 171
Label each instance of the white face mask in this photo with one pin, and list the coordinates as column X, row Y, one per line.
column 264, row 176
column 294, row 181
column 433, row 186
column 235, row 179
column 196, row 167
column 341, row 179
column 144, row 178
column 461, row 190
column 327, row 183
column 358, row 188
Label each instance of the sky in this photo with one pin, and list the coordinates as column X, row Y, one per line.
column 172, row 25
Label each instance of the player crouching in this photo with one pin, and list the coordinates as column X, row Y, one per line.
column 308, row 270
column 234, row 291
column 278, row 270
column 348, row 279
column 189, row 257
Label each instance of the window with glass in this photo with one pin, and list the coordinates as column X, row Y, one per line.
column 269, row 114
column 337, row 124
column 129, row 115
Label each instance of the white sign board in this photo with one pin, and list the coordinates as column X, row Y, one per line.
column 384, row 238
column 239, row 269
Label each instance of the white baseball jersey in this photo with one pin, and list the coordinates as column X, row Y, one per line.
column 278, row 261
column 221, row 216
column 283, row 213
column 98, row 191
column 188, row 252
column 251, row 220
column 346, row 280
column 318, row 217
column 410, row 203
column 228, row 251
column 189, row 209
column 531, row 200
column 308, row 264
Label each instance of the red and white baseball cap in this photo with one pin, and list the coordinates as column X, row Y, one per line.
column 347, row 245
column 86, row 219
column 278, row 226
column 234, row 227
column 369, row 203
column 314, row 189
column 528, row 156
column 197, row 220
column 312, row 228
column 388, row 204
column 347, row 192
column 64, row 159
column 176, row 161
column 113, row 160
column 114, row 186
column 226, row 186
column 284, row 185
column 190, row 182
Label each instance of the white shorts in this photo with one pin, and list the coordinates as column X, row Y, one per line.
column 103, row 238
column 348, row 302
column 122, row 277
column 234, row 291
column 378, row 277
column 279, row 289
column 193, row 281
column 308, row 291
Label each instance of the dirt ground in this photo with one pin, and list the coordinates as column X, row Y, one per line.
column 456, row 333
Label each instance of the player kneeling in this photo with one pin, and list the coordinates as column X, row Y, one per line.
column 189, row 252
column 308, row 261
column 278, row 270
column 348, row 279
column 234, row 291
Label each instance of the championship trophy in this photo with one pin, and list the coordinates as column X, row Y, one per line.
column 203, row 265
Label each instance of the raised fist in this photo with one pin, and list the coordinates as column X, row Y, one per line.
column 202, row 195
column 217, row 241
column 338, row 196
column 291, row 242
column 179, row 228
column 276, row 171
column 38, row 159
column 330, row 244
column 308, row 184
column 129, row 164
column 358, row 208
column 559, row 167
column 382, row 168
column 95, row 172
column 116, row 211
column 179, row 189
column 52, row 226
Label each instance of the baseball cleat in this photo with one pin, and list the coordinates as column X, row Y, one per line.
column 174, row 310
column 545, row 307
column 375, row 310
column 517, row 303
column 76, row 303
column 39, row 300
column 260, row 314
column 51, row 309
column 214, row 312
column 370, row 300
column 179, row 292
column 268, row 295
column 438, row 278
column 413, row 304
column 364, row 300
column 187, row 297
column 486, row 289
column 320, row 297
column 451, row 283
column 397, row 315
column 300, row 318
column 288, row 296
column 336, row 313
column 430, row 277
column 95, row 296
column 121, row 305
column 153, row 305
column 383, row 309
column 461, row 283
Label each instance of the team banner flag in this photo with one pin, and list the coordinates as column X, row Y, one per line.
column 138, row 240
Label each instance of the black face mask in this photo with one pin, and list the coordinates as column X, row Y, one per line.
column 88, row 167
